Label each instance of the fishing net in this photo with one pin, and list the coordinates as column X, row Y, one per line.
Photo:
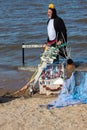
column 74, row 91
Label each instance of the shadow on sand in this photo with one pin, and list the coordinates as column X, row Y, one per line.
column 4, row 99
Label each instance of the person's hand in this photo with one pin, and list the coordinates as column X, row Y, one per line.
column 44, row 45
column 59, row 43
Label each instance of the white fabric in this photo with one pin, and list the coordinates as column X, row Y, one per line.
column 59, row 81
column 51, row 31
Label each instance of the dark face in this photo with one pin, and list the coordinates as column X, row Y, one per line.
column 49, row 13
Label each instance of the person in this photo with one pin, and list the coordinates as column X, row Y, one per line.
column 70, row 67
column 56, row 30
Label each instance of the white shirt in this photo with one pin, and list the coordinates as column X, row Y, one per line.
column 50, row 30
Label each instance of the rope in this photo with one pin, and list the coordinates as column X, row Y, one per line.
column 32, row 77
column 57, row 47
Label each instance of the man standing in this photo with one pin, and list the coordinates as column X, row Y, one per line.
column 56, row 30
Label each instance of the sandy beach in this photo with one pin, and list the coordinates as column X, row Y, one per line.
column 26, row 114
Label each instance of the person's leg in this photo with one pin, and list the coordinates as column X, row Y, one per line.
column 56, row 60
column 62, row 52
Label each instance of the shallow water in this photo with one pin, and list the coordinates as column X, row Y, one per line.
column 25, row 22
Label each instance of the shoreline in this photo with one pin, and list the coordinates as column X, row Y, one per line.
column 13, row 80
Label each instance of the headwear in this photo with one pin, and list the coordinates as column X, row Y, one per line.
column 51, row 6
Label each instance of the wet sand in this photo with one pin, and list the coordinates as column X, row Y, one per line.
column 13, row 80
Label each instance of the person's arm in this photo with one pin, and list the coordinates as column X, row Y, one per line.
column 61, row 31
